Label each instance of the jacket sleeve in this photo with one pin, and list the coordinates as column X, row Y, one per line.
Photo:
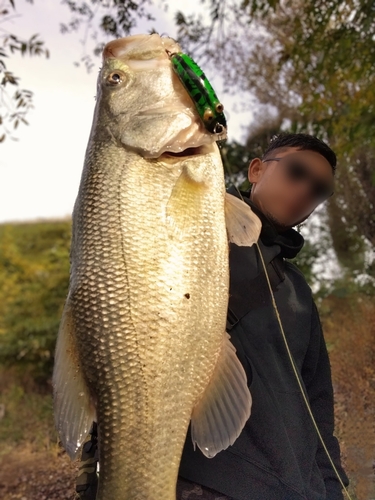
column 316, row 373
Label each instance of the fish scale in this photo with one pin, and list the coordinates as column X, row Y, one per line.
column 142, row 348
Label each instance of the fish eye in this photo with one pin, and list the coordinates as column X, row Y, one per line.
column 219, row 107
column 115, row 77
column 208, row 115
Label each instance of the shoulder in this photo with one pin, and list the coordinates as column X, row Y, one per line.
column 298, row 286
column 292, row 268
column 295, row 273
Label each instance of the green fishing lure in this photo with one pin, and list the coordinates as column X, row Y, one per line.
column 201, row 92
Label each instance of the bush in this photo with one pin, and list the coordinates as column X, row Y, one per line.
column 34, row 278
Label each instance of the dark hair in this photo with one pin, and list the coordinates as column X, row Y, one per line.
column 302, row 142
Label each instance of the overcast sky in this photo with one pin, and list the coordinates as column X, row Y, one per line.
column 40, row 173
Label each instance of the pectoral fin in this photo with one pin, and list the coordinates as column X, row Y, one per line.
column 243, row 226
column 184, row 207
column 73, row 408
column 219, row 417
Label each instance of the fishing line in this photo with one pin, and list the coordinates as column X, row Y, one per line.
column 297, row 375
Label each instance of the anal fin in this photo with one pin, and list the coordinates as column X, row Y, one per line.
column 73, row 409
column 243, row 226
column 219, row 417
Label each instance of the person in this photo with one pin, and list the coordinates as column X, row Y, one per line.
column 278, row 455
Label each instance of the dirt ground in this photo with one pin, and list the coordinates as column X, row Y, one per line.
column 28, row 475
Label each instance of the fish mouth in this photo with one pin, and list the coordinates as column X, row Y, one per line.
column 191, row 151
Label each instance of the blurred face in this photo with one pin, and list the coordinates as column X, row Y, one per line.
column 289, row 184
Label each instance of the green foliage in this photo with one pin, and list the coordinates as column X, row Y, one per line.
column 34, row 275
column 236, row 157
column 15, row 102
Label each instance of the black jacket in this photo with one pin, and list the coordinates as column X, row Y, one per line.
column 278, row 455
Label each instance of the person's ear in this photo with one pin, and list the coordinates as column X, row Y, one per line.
column 255, row 170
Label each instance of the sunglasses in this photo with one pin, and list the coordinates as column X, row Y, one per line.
column 298, row 172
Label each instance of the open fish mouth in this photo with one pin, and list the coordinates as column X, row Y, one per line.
column 191, row 151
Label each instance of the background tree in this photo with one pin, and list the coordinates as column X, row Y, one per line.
column 15, row 102
column 311, row 64
column 104, row 20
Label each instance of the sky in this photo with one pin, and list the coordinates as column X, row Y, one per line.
column 40, row 172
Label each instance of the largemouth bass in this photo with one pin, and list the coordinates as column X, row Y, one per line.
column 142, row 348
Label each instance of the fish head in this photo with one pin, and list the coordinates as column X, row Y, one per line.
column 141, row 103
